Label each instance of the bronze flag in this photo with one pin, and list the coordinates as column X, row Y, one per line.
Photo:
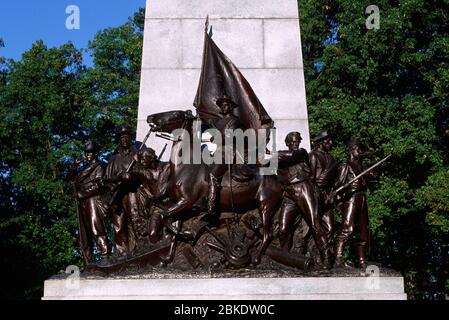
column 220, row 76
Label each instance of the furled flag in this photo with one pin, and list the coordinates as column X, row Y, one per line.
column 220, row 76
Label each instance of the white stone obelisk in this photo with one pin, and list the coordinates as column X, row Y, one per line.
column 261, row 37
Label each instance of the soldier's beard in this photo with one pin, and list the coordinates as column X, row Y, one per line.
column 125, row 145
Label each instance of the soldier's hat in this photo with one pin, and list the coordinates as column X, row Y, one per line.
column 91, row 146
column 353, row 143
column 123, row 130
column 148, row 151
column 323, row 134
column 290, row 135
column 224, row 99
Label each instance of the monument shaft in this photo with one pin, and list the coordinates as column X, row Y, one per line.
column 261, row 37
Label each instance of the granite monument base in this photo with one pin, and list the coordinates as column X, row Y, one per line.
column 331, row 285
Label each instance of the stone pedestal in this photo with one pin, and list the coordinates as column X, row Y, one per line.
column 306, row 288
column 262, row 38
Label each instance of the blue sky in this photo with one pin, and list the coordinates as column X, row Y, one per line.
column 23, row 22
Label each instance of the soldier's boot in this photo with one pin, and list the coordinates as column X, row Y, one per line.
column 324, row 253
column 327, row 257
column 102, row 248
column 361, row 255
column 339, row 247
column 214, row 187
column 284, row 239
column 155, row 227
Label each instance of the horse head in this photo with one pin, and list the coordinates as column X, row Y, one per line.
column 169, row 121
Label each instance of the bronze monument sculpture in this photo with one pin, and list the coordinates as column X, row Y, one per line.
column 299, row 196
column 353, row 206
column 228, row 214
column 123, row 202
column 87, row 182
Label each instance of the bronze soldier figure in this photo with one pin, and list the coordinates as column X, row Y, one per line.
column 299, row 197
column 353, row 207
column 124, row 205
column 324, row 172
column 288, row 159
column 88, row 185
column 152, row 175
column 228, row 122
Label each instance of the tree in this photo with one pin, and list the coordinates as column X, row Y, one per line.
column 2, row 64
column 388, row 88
column 115, row 77
column 40, row 107
column 50, row 103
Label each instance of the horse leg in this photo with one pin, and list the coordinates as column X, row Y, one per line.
column 176, row 228
column 175, row 208
column 165, row 260
column 155, row 227
column 266, row 211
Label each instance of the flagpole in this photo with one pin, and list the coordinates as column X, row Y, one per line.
column 206, row 24
column 200, row 91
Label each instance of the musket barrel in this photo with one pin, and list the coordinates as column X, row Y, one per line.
column 361, row 174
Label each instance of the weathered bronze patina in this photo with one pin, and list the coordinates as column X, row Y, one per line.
column 187, row 214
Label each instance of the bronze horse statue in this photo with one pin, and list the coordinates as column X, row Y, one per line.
column 188, row 183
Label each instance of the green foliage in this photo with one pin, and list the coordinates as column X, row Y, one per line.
column 2, row 64
column 40, row 103
column 435, row 196
column 389, row 88
column 115, row 77
column 49, row 104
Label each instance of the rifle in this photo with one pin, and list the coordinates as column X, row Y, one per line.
column 130, row 166
column 335, row 192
